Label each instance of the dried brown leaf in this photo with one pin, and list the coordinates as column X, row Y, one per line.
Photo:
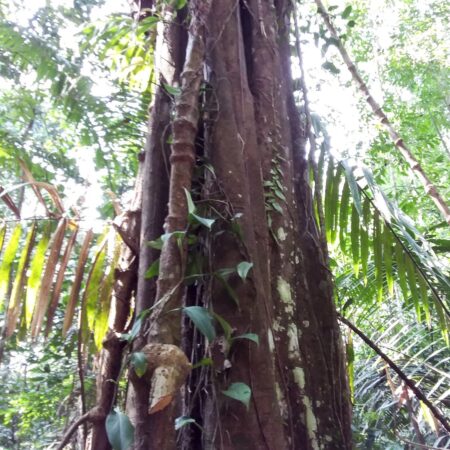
column 38, row 184
column 47, row 278
column 9, row 202
column 68, row 318
column 59, row 281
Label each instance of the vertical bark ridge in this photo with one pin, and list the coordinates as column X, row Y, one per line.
column 235, row 156
column 171, row 44
column 165, row 324
column 325, row 372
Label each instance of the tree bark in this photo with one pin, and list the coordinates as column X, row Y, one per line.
column 250, row 134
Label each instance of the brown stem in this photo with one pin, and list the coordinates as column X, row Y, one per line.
column 410, row 383
column 405, row 151
column 81, row 377
column 165, row 328
column 80, row 421
column 123, row 289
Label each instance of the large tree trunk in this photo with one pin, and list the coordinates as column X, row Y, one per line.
column 250, row 134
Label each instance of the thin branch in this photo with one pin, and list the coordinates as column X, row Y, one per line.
column 405, row 151
column 80, row 421
column 410, row 383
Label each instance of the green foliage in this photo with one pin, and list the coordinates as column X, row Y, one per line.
column 139, row 363
column 119, row 429
column 202, row 319
column 38, row 393
column 240, row 392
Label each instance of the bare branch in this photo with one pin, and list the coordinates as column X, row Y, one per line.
column 410, row 383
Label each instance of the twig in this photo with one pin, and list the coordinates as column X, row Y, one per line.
column 405, row 151
column 410, row 383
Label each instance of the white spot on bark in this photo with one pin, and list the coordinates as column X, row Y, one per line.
column 281, row 234
column 299, row 377
column 281, row 401
column 271, row 341
column 276, row 326
column 293, row 347
column 284, row 290
column 311, row 423
column 306, row 323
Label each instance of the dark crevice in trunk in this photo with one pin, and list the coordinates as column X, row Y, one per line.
column 246, row 30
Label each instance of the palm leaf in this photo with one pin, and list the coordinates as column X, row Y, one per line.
column 59, row 281
column 7, row 262
column 36, row 268
column 15, row 304
column 76, row 286
column 47, row 278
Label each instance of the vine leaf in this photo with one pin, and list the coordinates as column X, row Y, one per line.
column 250, row 336
column 139, row 362
column 119, row 430
column 153, row 270
column 172, row 90
column 240, row 392
column 182, row 421
column 190, row 203
column 208, row 223
column 243, row 268
column 135, row 329
column 202, row 319
column 202, row 363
